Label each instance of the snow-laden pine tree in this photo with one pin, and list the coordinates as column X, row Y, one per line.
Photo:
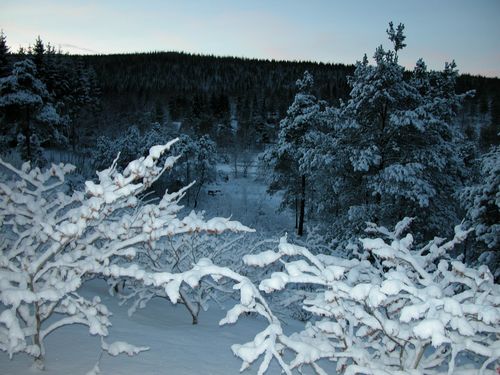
column 284, row 157
column 54, row 239
column 36, row 119
column 391, row 147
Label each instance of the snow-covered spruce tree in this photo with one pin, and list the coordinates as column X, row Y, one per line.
column 391, row 148
column 25, row 95
column 482, row 203
column 4, row 52
column 283, row 158
column 53, row 240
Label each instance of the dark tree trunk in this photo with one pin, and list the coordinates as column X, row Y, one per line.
column 296, row 212
column 300, row 230
column 27, row 134
column 73, row 133
column 39, row 360
column 192, row 307
column 188, row 181
column 200, row 184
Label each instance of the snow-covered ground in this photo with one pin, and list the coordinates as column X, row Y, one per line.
column 245, row 199
column 176, row 346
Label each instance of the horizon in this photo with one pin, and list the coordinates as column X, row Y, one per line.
column 321, row 32
column 270, row 60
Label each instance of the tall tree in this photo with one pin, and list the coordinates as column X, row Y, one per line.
column 23, row 93
column 391, row 147
column 482, row 205
column 490, row 134
column 285, row 156
column 4, row 51
column 39, row 54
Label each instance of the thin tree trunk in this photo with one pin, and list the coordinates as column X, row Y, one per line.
column 73, row 134
column 296, row 212
column 188, row 181
column 193, row 308
column 27, row 134
column 300, row 230
column 235, row 163
column 39, row 360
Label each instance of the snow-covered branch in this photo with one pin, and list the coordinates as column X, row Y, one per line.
column 410, row 312
column 54, row 240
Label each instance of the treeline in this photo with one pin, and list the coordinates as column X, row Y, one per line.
column 234, row 100
column 208, row 92
column 44, row 98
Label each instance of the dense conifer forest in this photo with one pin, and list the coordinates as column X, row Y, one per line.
column 171, row 86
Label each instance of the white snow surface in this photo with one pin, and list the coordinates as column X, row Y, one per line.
column 175, row 345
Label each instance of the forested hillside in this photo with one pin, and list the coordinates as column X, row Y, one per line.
column 205, row 91
column 217, row 95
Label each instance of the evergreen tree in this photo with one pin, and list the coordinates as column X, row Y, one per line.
column 490, row 134
column 4, row 52
column 39, row 55
column 482, row 205
column 285, row 156
column 24, row 94
column 404, row 149
column 390, row 149
column 81, row 92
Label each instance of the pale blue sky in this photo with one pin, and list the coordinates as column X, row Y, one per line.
column 317, row 30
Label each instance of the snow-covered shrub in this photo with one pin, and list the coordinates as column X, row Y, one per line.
column 410, row 310
column 196, row 162
column 178, row 254
column 52, row 240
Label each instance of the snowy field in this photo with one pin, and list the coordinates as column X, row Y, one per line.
column 245, row 199
column 176, row 346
